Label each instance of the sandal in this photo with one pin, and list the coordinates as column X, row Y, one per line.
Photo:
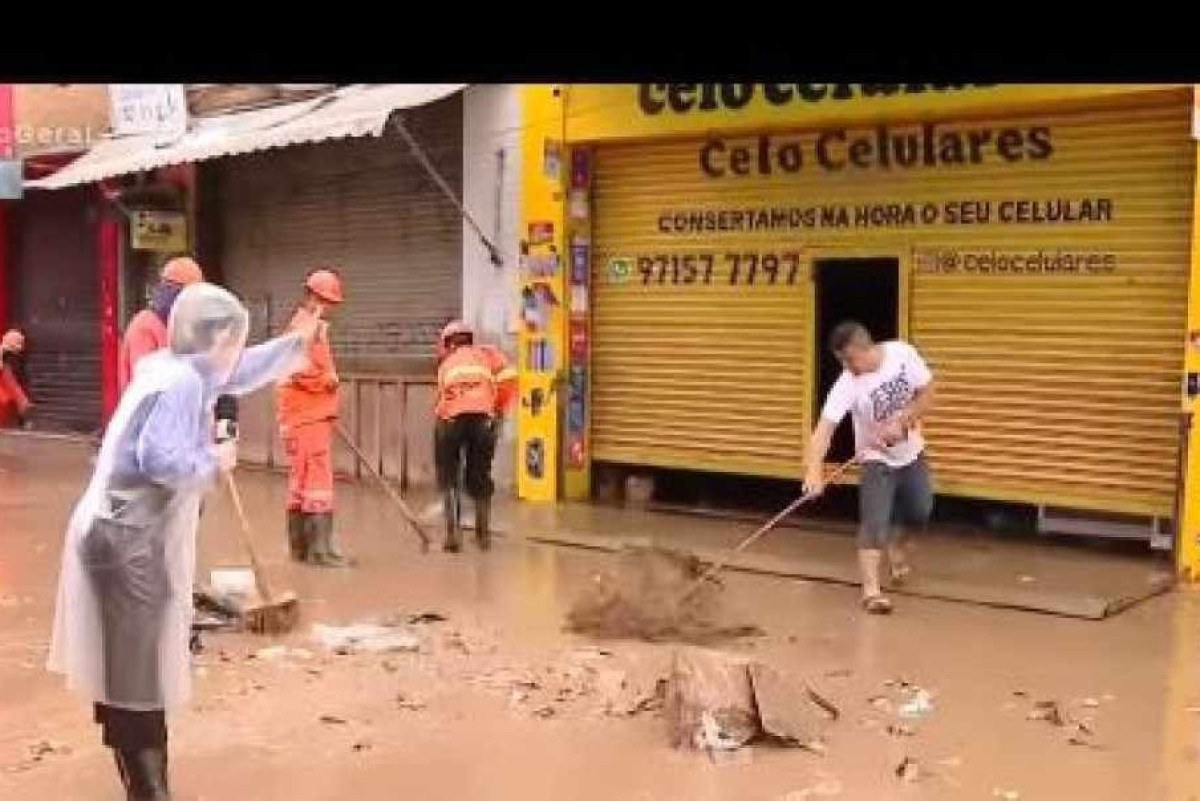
column 877, row 605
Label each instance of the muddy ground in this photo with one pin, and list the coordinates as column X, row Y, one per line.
column 498, row 702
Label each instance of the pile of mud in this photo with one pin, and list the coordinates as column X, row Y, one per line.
column 642, row 596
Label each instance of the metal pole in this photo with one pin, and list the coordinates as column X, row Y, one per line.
column 419, row 152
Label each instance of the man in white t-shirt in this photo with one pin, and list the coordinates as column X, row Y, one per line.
column 887, row 388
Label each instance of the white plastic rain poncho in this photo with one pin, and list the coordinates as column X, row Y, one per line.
column 124, row 611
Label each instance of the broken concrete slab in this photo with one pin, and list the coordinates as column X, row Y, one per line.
column 709, row 701
column 786, row 708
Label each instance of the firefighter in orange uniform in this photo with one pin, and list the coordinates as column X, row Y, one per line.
column 14, row 403
column 147, row 331
column 476, row 387
column 307, row 407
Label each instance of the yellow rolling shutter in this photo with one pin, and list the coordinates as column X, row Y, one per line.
column 704, row 376
column 1058, row 385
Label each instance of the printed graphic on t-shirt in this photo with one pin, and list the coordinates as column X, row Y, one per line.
column 891, row 396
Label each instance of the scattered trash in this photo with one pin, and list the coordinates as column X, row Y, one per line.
column 333, row 720
column 899, row 730
column 1091, row 703
column 271, row 652
column 546, row 711
column 409, row 704
column 880, row 702
column 919, row 705
column 45, row 748
column 827, row 787
column 1020, row 694
column 361, row 746
column 909, row 771
column 390, row 666
column 365, row 638
column 1027, row 579
column 1006, row 795
column 1108, row 698
column 1048, row 711
column 427, row 617
column 951, row 762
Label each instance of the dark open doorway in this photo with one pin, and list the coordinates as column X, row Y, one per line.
column 866, row 290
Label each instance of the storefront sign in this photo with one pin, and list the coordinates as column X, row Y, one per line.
column 839, row 149
column 598, row 112
column 162, row 231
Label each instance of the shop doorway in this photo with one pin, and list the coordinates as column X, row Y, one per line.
column 862, row 289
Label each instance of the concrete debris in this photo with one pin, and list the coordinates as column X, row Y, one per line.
column 720, row 701
column 709, row 701
column 786, row 709
column 365, row 638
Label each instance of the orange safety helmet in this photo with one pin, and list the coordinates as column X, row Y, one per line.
column 325, row 284
column 182, row 270
column 13, row 341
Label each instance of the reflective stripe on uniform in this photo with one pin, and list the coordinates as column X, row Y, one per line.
column 465, row 372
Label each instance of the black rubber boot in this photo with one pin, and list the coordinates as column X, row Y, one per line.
column 321, row 552
column 145, row 774
column 297, row 530
column 483, row 523
column 450, row 507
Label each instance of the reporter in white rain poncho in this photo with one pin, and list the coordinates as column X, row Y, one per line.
column 124, row 609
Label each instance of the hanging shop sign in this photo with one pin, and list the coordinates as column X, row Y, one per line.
column 161, row 231
column 148, row 108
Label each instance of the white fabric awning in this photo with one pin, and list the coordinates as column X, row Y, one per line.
column 360, row 110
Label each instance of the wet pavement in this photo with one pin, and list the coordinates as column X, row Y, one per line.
column 499, row 702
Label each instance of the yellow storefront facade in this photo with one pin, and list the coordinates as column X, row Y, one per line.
column 688, row 246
